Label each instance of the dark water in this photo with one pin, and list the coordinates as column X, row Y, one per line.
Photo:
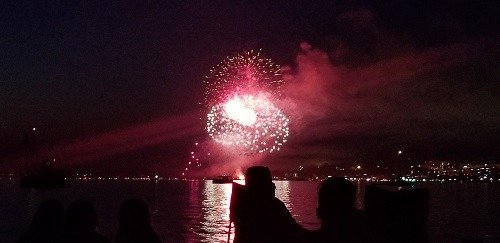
column 197, row 211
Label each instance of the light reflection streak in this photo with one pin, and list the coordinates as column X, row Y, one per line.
column 283, row 192
column 360, row 195
column 215, row 205
column 215, row 209
column 193, row 210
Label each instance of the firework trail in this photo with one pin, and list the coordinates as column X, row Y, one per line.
column 198, row 156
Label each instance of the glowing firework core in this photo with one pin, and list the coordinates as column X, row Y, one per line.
column 251, row 122
column 239, row 110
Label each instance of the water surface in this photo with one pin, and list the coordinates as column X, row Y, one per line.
column 198, row 211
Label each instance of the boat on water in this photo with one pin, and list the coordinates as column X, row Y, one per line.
column 222, row 180
column 39, row 173
column 43, row 177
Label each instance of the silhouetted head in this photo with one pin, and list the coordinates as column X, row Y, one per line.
column 49, row 216
column 258, row 179
column 134, row 214
column 336, row 198
column 81, row 216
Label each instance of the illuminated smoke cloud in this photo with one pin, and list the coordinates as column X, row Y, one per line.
column 396, row 100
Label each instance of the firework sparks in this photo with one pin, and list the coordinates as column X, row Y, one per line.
column 242, row 74
column 252, row 122
column 239, row 95
column 194, row 160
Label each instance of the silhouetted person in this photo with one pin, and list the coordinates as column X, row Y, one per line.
column 135, row 223
column 81, row 221
column 47, row 224
column 340, row 221
column 258, row 215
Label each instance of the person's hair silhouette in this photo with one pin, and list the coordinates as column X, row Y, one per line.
column 258, row 182
column 340, row 221
column 135, row 223
column 47, row 224
column 81, row 221
column 257, row 214
column 336, row 199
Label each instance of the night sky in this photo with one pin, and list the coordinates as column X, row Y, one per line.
column 116, row 86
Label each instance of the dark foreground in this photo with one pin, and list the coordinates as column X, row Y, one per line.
column 199, row 210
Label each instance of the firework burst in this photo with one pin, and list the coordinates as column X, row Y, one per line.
column 242, row 74
column 239, row 94
column 250, row 122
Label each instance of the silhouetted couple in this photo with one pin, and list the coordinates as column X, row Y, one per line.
column 50, row 224
column 259, row 216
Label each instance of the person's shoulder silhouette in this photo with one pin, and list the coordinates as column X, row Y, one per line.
column 340, row 221
column 81, row 221
column 47, row 224
column 135, row 223
column 258, row 215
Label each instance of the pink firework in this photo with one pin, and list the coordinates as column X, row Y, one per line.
column 239, row 94
column 250, row 122
column 242, row 74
